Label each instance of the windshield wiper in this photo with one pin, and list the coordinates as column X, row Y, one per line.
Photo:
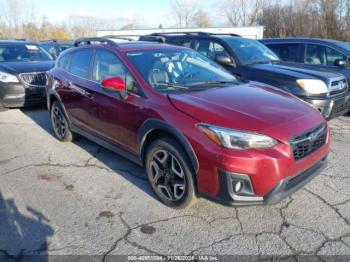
column 258, row 62
column 210, row 83
column 175, row 86
column 263, row 62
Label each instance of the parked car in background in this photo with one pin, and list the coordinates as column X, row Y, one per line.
column 55, row 47
column 196, row 129
column 326, row 54
column 23, row 66
column 249, row 59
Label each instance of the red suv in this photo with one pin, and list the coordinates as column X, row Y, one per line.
column 195, row 128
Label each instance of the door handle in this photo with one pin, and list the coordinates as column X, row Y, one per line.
column 88, row 94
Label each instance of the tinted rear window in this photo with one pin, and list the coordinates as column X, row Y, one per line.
column 80, row 63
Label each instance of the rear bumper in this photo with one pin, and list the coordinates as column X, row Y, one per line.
column 332, row 108
column 282, row 190
column 17, row 95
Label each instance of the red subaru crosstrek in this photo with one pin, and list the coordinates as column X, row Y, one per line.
column 196, row 129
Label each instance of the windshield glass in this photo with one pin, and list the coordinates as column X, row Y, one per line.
column 168, row 70
column 250, row 51
column 344, row 45
column 22, row 53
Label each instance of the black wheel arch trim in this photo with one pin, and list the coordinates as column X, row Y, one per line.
column 155, row 124
column 52, row 93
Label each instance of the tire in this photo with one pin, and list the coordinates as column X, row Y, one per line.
column 60, row 124
column 169, row 173
column 2, row 108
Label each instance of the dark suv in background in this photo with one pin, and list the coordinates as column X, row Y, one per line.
column 23, row 66
column 55, row 47
column 249, row 59
column 317, row 53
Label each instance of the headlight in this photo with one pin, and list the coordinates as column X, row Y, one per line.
column 313, row 86
column 235, row 139
column 8, row 78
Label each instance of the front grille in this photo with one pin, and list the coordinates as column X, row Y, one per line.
column 308, row 142
column 340, row 108
column 338, row 87
column 34, row 79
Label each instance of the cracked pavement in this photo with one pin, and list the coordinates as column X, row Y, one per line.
column 81, row 199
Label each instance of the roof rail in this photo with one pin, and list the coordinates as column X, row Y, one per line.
column 91, row 40
column 121, row 37
column 193, row 33
column 225, row 34
column 49, row 40
column 181, row 33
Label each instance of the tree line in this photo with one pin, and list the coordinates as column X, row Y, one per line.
column 291, row 18
column 286, row 18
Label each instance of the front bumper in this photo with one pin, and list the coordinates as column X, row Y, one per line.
column 333, row 107
column 18, row 95
column 282, row 190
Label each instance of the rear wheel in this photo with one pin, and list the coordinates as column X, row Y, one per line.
column 169, row 173
column 60, row 124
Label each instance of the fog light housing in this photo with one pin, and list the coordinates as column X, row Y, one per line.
column 238, row 186
column 241, row 189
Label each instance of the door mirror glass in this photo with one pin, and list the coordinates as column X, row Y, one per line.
column 224, row 60
column 341, row 63
column 116, row 84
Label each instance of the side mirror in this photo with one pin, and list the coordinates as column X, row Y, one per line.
column 223, row 60
column 341, row 63
column 116, row 84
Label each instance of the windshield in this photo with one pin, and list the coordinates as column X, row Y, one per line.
column 168, row 70
column 22, row 53
column 344, row 45
column 250, row 51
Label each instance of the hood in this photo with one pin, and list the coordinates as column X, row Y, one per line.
column 251, row 107
column 309, row 67
column 294, row 71
column 26, row 67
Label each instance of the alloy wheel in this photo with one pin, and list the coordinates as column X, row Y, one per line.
column 58, row 122
column 168, row 175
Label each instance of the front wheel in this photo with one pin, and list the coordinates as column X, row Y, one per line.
column 60, row 124
column 169, row 173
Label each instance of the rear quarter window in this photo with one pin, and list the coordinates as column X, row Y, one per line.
column 63, row 62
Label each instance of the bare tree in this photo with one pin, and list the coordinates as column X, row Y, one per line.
column 201, row 18
column 14, row 14
column 82, row 26
column 241, row 12
column 183, row 11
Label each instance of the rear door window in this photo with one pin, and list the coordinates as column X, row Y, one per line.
column 80, row 63
column 315, row 54
column 286, row 52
